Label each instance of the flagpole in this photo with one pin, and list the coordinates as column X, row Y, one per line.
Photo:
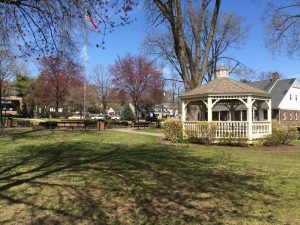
column 85, row 69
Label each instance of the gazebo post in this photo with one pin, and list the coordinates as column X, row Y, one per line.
column 249, row 117
column 270, row 115
column 183, row 112
column 209, row 109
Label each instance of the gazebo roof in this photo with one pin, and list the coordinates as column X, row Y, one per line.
column 224, row 86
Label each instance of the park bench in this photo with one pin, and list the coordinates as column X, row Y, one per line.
column 139, row 124
column 24, row 123
column 71, row 125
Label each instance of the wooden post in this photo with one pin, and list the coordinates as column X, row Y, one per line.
column 270, row 115
column 209, row 109
column 183, row 112
column 249, row 117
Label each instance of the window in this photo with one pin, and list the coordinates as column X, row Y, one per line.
column 291, row 97
column 284, row 116
column 291, row 116
column 296, row 116
column 296, row 97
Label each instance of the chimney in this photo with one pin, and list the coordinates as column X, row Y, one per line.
column 275, row 76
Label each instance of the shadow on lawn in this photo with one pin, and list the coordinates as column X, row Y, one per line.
column 92, row 183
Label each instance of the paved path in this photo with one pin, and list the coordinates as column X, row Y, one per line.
column 129, row 130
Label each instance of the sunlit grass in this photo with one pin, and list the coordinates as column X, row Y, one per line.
column 66, row 177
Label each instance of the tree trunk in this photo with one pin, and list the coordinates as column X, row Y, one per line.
column 210, row 38
column 1, row 118
column 56, row 108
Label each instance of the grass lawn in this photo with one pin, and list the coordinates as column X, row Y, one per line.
column 121, row 178
column 151, row 129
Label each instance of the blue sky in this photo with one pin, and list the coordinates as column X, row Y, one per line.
column 253, row 53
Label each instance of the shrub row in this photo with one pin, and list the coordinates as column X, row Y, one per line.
column 281, row 134
column 173, row 130
column 203, row 133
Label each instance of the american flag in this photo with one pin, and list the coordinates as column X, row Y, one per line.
column 89, row 17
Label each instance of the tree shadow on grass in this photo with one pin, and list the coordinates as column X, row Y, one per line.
column 92, row 183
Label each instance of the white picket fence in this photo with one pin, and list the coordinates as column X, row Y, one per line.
column 236, row 129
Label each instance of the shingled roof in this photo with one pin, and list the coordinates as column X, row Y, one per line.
column 277, row 88
column 225, row 86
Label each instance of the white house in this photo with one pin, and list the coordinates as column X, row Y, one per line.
column 285, row 98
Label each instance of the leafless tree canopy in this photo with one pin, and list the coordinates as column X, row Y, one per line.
column 282, row 20
column 230, row 34
column 102, row 81
column 186, row 21
column 7, row 63
column 46, row 27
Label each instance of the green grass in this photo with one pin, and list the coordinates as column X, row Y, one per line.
column 152, row 129
column 120, row 178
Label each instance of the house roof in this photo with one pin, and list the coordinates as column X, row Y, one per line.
column 277, row 88
column 224, row 86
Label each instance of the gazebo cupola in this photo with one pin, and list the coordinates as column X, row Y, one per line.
column 236, row 107
column 222, row 71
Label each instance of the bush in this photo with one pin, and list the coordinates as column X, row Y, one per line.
column 112, row 123
column 173, row 130
column 232, row 139
column 204, row 132
column 127, row 113
column 281, row 134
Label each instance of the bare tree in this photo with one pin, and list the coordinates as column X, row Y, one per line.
column 282, row 20
column 141, row 80
column 230, row 33
column 57, row 76
column 6, row 73
column 48, row 27
column 102, row 80
column 186, row 21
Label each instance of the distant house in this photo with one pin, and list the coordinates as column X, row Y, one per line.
column 11, row 105
column 285, row 98
column 165, row 110
column 114, row 111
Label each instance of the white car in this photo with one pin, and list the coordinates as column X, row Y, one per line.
column 75, row 117
column 116, row 118
column 98, row 117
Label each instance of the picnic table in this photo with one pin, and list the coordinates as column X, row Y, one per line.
column 139, row 124
column 24, row 123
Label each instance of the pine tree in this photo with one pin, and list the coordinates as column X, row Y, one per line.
column 127, row 113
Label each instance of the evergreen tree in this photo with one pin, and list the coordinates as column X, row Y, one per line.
column 127, row 113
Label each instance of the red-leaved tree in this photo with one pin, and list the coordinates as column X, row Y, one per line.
column 57, row 77
column 140, row 78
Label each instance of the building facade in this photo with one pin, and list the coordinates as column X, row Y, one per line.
column 285, row 98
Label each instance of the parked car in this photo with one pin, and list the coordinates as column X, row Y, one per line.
column 115, row 118
column 75, row 117
column 98, row 117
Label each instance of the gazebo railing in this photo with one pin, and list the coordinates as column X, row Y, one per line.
column 233, row 129
column 260, row 128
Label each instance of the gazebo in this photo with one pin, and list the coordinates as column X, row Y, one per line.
column 237, row 108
